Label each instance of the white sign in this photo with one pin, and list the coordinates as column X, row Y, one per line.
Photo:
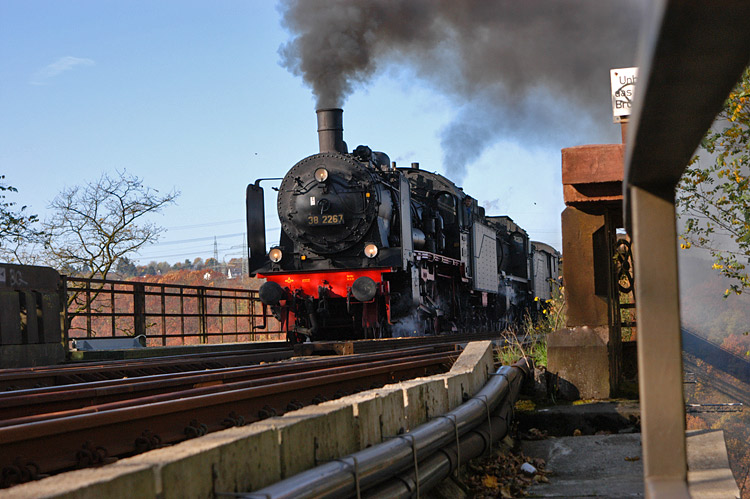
column 623, row 88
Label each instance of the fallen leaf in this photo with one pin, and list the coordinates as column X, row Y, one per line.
column 489, row 481
column 635, row 458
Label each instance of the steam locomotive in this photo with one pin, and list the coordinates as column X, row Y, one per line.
column 369, row 250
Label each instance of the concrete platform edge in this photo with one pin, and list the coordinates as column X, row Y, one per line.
column 611, row 466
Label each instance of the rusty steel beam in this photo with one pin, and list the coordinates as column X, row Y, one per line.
column 592, row 176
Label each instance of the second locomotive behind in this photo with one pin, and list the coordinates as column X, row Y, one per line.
column 371, row 250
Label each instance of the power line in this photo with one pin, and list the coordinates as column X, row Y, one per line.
column 197, row 239
column 154, row 258
column 208, row 238
column 207, row 224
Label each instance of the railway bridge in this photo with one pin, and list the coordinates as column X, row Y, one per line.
column 692, row 52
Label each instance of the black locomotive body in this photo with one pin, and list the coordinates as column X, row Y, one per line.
column 371, row 250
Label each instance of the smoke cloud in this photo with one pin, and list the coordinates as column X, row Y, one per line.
column 536, row 70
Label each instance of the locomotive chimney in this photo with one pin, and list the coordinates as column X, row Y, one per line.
column 331, row 130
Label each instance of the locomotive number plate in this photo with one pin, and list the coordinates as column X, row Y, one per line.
column 336, row 219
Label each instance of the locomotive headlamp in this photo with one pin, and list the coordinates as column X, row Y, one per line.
column 275, row 255
column 371, row 251
column 321, row 174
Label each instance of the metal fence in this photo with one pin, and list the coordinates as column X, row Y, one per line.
column 166, row 314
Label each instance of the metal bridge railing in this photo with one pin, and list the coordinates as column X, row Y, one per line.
column 166, row 314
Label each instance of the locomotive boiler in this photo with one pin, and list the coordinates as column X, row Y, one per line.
column 369, row 250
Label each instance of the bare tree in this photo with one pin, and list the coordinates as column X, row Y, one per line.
column 95, row 225
column 18, row 228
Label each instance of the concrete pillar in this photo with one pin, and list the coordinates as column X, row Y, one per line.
column 586, row 355
column 580, row 353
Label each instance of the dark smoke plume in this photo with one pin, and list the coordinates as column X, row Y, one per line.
column 536, row 70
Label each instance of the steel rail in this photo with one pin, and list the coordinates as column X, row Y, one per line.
column 114, row 369
column 167, row 359
column 29, row 402
column 348, row 476
column 215, row 351
column 362, row 346
column 87, row 372
column 76, row 441
column 291, row 362
column 170, row 391
column 736, row 392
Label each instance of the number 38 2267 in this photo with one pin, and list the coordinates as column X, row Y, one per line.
column 334, row 219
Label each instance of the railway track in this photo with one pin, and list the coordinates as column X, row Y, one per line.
column 367, row 346
column 84, row 372
column 89, row 397
column 736, row 392
column 48, row 430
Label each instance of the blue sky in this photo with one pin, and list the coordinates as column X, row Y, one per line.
column 190, row 95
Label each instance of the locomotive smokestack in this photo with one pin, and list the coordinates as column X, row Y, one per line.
column 331, row 130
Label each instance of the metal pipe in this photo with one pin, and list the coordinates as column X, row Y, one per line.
column 381, row 462
column 331, row 130
column 441, row 464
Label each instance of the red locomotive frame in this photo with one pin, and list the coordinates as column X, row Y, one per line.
column 338, row 284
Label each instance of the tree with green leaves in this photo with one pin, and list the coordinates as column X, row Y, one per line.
column 125, row 267
column 714, row 198
column 18, row 228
